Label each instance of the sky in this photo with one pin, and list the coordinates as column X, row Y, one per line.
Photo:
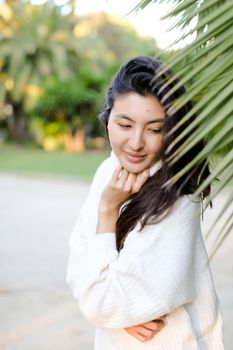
column 146, row 22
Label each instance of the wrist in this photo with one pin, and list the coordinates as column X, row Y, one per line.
column 107, row 218
column 108, row 209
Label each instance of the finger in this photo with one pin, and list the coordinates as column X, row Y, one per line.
column 134, row 333
column 141, row 179
column 116, row 173
column 130, row 182
column 140, row 337
column 148, row 333
column 154, row 325
column 123, row 178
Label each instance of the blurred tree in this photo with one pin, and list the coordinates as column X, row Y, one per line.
column 107, row 39
column 73, row 102
column 35, row 42
column 72, row 6
column 39, row 45
column 77, row 100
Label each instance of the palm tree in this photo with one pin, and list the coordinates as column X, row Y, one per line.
column 72, row 6
column 205, row 66
column 35, row 42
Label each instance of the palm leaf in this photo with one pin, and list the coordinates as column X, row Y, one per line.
column 29, row 40
column 215, row 97
column 213, row 15
column 215, row 21
column 205, row 67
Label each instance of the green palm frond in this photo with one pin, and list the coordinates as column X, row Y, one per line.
column 205, row 67
column 35, row 41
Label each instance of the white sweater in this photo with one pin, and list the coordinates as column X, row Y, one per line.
column 161, row 270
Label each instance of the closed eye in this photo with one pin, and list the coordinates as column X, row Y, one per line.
column 155, row 131
column 124, row 126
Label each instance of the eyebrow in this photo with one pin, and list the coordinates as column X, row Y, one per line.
column 128, row 118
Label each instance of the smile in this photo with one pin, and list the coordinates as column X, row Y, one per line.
column 134, row 157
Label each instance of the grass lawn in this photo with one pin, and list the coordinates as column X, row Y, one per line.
column 33, row 161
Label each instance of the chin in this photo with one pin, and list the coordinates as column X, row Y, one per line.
column 134, row 168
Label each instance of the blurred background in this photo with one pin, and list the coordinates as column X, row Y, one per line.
column 55, row 66
column 56, row 60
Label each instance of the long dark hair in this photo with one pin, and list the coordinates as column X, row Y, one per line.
column 154, row 200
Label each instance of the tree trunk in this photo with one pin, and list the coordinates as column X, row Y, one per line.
column 75, row 143
column 17, row 126
column 72, row 7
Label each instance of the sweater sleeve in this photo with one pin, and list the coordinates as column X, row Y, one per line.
column 151, row 276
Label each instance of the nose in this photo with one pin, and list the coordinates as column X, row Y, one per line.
column 136, row 141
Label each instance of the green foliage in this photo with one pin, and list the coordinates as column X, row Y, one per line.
column 78, row 97
column 66, row 106
column 108, row 37
column 77, row 101
column 35, row 41
column 205, row 67
column 59, row 63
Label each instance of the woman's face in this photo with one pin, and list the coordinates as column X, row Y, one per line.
column 135, row 130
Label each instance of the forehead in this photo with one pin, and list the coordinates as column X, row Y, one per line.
column 138, row 107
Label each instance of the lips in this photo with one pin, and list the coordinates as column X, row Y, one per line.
column 134, row 157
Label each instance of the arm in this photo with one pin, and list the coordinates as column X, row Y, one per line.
column 152, row 275
column 145, row 281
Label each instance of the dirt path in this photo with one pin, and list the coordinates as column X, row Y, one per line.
column 37, row 310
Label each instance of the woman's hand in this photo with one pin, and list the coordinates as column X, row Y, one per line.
column 121, row 186
column 146, row 331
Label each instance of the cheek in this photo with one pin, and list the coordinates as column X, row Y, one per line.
column 156, row 145
column 117, row 139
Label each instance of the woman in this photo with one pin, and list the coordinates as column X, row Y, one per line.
column 138, row 265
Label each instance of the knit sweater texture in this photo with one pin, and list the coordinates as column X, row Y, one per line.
column 162, row 269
